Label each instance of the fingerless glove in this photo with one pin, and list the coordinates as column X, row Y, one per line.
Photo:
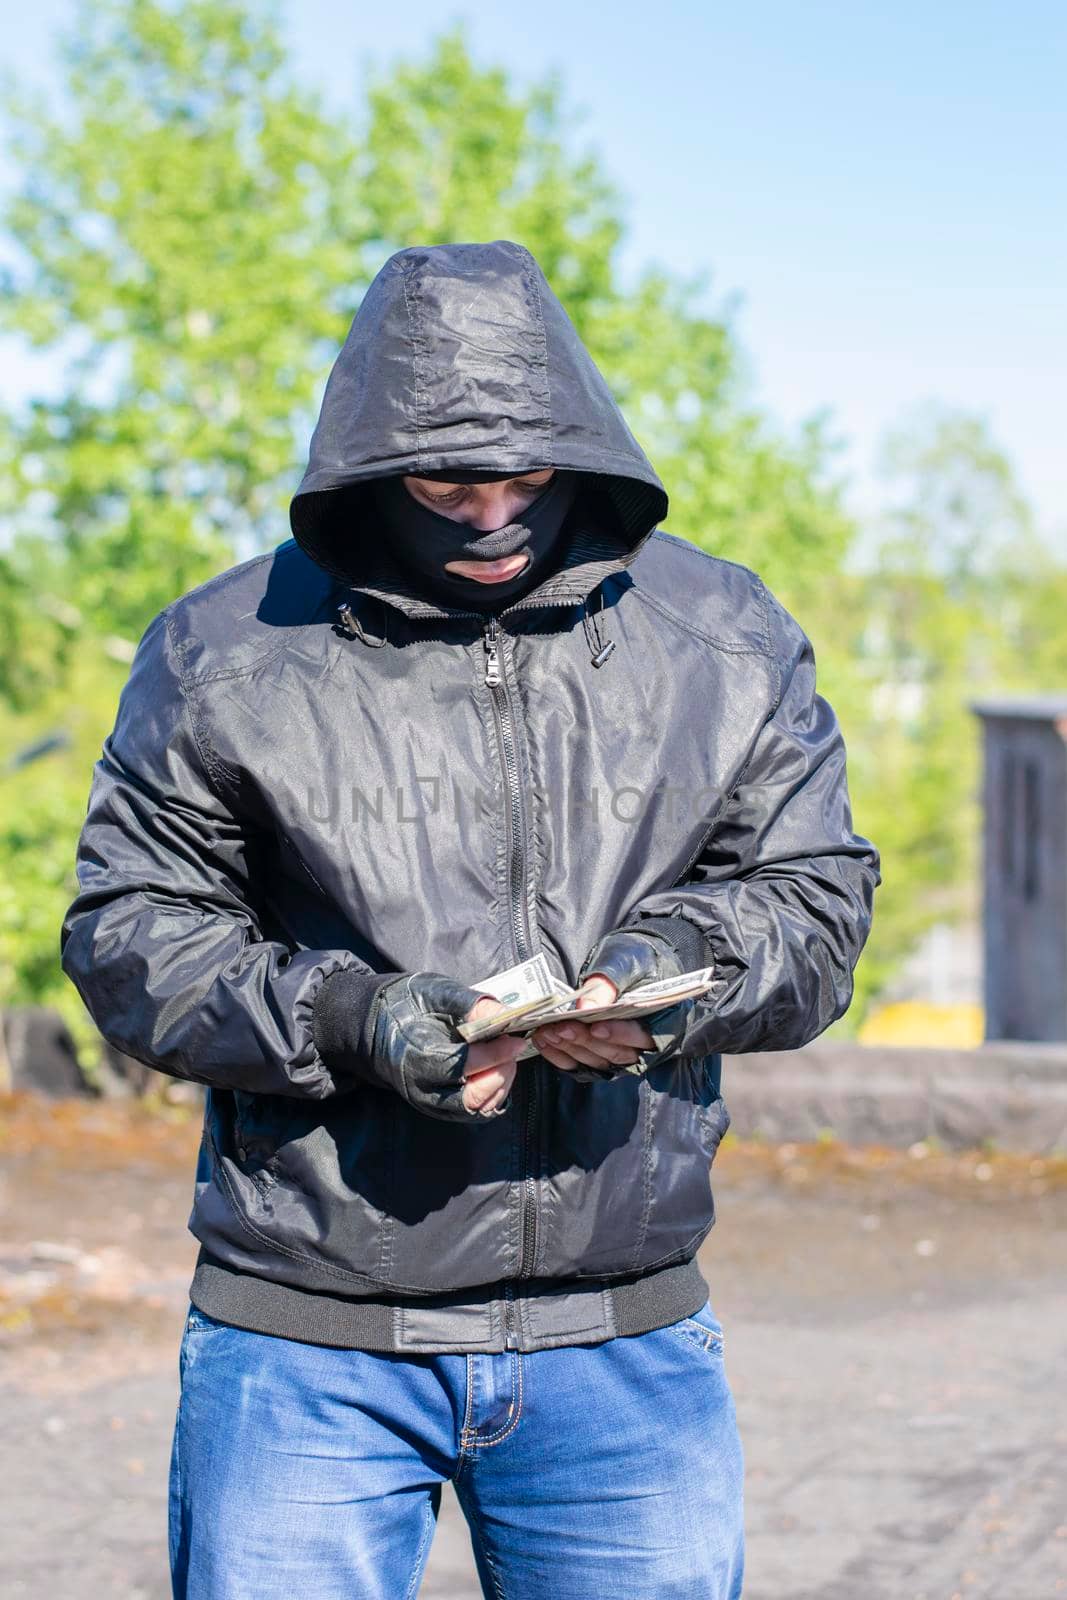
column 400, row 1035
column 651, row 951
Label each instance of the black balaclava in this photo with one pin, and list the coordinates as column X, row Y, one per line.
column 423, row 540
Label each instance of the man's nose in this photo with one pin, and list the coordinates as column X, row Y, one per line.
column 491, row 511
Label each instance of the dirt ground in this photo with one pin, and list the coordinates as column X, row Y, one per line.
column 896, row 1327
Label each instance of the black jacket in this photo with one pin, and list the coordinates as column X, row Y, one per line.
column 291, row 789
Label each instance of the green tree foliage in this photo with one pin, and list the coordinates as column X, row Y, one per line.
column 184, row 247
column 194, row 233
column 187, row 246
column 957, row 599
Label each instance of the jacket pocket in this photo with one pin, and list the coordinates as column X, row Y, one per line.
column 628, row 1183
column 690, row 1120
column 451, row 1202
column 256, row 1137
column 364, row 1186
column 596, row 1176
column 314, row 1177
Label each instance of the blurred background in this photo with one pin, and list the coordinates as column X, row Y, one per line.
column 819, row 253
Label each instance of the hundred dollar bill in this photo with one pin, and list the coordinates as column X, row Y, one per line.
column 524, row 991
column 639, row 1001
column 523, row 1016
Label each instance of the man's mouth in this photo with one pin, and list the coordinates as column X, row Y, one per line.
column 490, row 571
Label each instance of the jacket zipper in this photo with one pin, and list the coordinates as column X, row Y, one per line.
column 494, row 677
column 518, row 913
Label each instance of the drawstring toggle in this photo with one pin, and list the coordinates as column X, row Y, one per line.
column 599, row 648
column 349, row 625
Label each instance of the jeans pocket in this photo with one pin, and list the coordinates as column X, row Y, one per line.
column 702, row 1328
column 199, row 1322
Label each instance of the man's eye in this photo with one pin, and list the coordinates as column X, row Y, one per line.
column 445, row 499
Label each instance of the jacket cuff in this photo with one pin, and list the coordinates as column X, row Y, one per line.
column 689, row 943
column 340, row 1014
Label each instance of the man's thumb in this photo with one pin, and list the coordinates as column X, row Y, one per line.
column 597, row 990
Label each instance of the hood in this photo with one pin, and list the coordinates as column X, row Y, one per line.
column 461, row 356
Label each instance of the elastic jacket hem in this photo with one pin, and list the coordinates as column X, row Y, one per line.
column 525, row 1316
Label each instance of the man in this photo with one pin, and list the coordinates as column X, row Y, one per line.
column 477, row 710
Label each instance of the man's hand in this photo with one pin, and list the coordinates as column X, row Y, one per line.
column 413, row 1044
column 620, row 961
column 593, row 1044
column 490, row 1070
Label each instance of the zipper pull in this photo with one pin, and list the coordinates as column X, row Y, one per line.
column 492, row 654
column 510, row 1340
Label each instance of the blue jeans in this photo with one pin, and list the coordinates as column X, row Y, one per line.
column 585, row 1473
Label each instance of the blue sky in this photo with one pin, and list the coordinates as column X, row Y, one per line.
column 883, row 185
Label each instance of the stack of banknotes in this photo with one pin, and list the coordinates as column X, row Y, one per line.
column 532, row 995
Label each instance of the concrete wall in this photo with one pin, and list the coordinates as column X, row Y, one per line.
column 1012, row 1094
